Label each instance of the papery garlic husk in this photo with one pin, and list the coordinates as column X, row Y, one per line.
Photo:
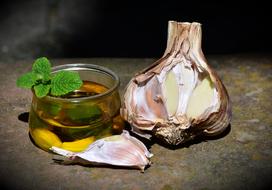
column 117, row 150
column 179, row 96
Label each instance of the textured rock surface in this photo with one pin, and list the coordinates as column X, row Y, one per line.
column 241, row 159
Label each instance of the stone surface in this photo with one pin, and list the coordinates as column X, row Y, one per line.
column 239, row 159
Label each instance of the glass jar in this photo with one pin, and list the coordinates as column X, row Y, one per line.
column 77, row 120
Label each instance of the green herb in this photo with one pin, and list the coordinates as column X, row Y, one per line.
column 41, row 89
column 44, row 83
column 84, row 113
column 65, row 82
column 51, row 108
column 99, row 127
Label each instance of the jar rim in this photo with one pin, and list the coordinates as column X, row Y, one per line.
column 84, row 66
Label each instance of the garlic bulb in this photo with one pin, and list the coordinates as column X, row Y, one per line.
column 117, row 150
column 179, row 96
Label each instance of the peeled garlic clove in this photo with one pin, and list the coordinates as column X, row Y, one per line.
column 179, row 96
column 117, row 150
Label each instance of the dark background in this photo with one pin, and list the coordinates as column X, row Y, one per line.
column 99, row 28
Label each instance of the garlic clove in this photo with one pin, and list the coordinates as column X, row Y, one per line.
column 117, row 150
column 201, row 98
column 179, row 96
column 171, row 90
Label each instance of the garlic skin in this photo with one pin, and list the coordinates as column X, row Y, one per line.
column 179, row 96
column 117, row 150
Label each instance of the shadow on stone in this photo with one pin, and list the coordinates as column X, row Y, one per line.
column 32, row 140
column 148, row 143
column 24, row 117
column 196, row 140
column 61, row 160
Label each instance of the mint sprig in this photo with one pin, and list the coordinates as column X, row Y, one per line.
column 44, row 83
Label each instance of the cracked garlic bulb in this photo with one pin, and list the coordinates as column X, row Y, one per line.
column 179, row 96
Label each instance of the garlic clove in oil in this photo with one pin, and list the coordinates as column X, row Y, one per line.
column 117, row 150
column 179, row 96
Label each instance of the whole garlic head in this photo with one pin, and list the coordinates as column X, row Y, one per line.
column 179, row 96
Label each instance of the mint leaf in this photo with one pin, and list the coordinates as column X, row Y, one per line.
column 42, row 69
column 52, row 108
column 42, row 90
column 84, row 113
column 26, row 81
column 64, row 82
